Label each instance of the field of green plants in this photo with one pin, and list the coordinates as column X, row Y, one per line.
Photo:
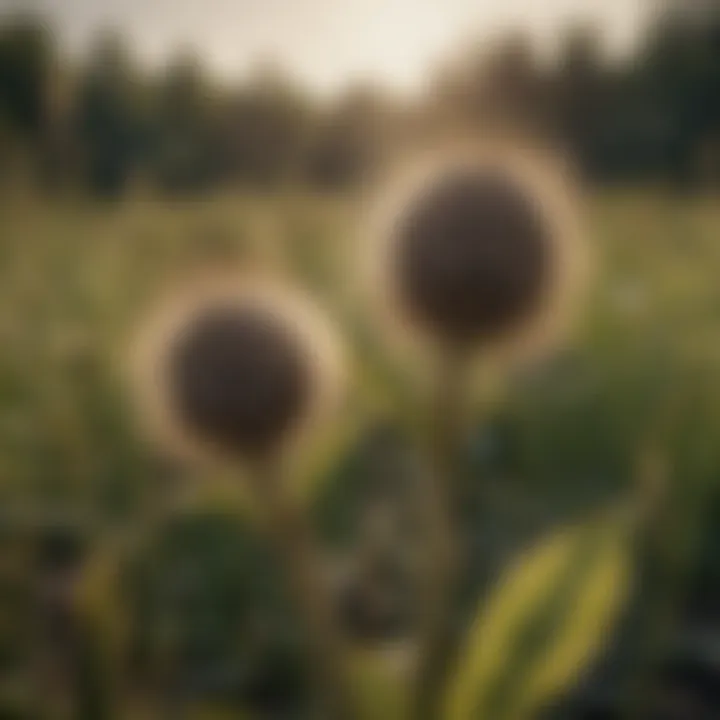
column 635, row 392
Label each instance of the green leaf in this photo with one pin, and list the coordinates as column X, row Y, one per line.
column 544, row 623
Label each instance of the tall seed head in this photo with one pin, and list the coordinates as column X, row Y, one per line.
column 472, row 255
column 474, row 248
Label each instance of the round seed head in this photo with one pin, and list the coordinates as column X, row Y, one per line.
column 477, row 247
column 240, row 378
column 236, row 370
column 472, row 255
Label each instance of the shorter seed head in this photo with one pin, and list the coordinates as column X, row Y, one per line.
column 240, row 378
column 236, row 369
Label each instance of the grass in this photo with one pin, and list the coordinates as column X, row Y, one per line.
column 642, row 373
column 74, row 280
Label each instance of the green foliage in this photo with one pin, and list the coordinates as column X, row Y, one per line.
column 190, row 602
column 75, row 279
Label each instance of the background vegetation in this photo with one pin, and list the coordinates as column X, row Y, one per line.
column 106, row 124
column 262, row 174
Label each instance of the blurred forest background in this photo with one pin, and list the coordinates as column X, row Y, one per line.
column 115, row 178
column 106, row 124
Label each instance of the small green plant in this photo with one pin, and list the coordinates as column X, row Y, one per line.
column 475, row 261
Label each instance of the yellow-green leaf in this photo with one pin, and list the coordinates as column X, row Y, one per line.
column 544, row 622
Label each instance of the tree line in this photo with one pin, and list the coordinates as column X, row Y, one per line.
column 107, row 124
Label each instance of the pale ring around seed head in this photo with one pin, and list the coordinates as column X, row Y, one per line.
column 478, row 247
column 235, row 368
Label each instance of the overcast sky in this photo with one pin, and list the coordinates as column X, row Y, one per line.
column 326, row 43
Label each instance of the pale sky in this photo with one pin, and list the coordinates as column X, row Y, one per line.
column 327, row 43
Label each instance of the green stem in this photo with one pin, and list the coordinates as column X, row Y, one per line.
column 666, row 518
column 438, row 637
column 288, row 531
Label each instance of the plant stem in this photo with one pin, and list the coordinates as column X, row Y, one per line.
column 670, row 563
column 437, row 639
column 288, row 531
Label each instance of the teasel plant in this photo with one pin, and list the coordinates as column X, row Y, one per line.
column 238, row 370
column 477, row 251
column 475, row 259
